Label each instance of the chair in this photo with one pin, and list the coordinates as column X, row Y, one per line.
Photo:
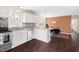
column 55, row 31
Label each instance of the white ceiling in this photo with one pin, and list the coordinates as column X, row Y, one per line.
column 53, row 11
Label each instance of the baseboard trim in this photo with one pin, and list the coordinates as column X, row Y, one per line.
column 75, row 32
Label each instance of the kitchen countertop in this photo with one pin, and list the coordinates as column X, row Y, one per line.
column 5, row 31
column 23, row 28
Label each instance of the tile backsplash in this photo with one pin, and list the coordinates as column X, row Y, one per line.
column 29, row 25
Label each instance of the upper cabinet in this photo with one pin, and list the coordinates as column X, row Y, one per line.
column 29, row 18
column 15, row 18
column 25, row 18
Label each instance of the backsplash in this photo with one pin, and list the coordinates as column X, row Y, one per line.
column 29, row 25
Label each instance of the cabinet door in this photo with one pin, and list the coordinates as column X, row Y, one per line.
column 19, row 37
column 4, row 11
column 42, row 34
column 29, row 36
column 30, row 18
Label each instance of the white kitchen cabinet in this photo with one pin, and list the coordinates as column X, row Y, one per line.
column 29, row 34
column 29, row 18
column 42, row 34
column 20, row 36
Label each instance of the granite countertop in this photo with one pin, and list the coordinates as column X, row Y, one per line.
column 24, row 28
column 5, row 31
column 19, row 28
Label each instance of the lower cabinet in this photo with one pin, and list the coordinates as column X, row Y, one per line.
column 42, row 34
column 20, row 36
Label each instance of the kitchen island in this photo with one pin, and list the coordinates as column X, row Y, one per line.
column 42, row 34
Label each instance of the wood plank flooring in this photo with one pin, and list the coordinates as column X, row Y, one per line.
column 57, row 44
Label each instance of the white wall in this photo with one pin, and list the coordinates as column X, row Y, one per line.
column 4, row 11
column 75, row 23
column 20, row 36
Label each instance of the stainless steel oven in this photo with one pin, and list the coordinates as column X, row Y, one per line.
column 5, row 39
column 5, row 35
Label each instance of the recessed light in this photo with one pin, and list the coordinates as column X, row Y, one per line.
column 54, row 22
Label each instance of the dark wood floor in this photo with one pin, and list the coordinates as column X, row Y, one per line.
column 62, row 43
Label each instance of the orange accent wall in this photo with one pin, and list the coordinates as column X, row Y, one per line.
column 63, row 22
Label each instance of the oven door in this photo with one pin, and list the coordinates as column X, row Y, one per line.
column 6, row 38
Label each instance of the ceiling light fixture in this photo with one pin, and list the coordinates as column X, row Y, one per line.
column 53, row 22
